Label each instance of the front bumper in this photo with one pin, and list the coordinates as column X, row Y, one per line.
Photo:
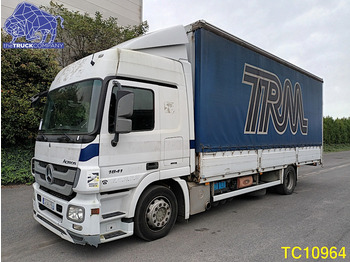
column 96, row 229
column 64, row 233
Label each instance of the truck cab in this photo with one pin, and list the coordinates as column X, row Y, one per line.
column 114, row 123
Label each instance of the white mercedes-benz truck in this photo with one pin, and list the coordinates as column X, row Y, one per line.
column 165, row 126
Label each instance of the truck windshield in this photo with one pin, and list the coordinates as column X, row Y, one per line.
column 72, row 108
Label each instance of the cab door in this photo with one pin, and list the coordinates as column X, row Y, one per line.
column 138, row 153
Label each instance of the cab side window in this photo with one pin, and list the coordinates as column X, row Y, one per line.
column 143, row 116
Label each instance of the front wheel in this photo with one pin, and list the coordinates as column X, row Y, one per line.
column 156, row 213
column 289, row 181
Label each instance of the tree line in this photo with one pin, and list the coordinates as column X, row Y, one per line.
column 336, row 131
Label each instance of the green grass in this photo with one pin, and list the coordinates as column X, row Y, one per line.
column 336, row 147
column 15, row 165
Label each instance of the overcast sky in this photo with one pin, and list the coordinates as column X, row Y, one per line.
column 312, row 34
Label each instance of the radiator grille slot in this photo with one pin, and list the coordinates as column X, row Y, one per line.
column 62, row 179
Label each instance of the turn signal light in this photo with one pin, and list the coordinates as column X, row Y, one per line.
column 95, row 211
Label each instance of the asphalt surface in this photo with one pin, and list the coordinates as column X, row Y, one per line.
column 248, row 228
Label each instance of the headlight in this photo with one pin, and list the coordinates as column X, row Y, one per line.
column 75, row 213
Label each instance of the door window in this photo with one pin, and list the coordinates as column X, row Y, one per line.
column 143, row 115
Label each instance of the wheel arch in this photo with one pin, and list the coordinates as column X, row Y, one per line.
column 177, row 185
column 180, row 189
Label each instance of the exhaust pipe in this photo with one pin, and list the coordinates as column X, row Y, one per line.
column 207, row 206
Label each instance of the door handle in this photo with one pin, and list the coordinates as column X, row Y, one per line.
column 153, row 165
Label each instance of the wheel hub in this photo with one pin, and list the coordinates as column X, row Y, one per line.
column 158, row 213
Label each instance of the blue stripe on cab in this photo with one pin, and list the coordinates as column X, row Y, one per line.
column 89, row 152
column 192, row 144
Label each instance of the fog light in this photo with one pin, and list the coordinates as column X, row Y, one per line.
column 77, row 227
column 76, row 214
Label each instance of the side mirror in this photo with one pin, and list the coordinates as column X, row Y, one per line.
column 123, row 111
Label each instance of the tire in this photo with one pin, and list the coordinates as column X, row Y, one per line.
column 156, row 213
column 289, row 181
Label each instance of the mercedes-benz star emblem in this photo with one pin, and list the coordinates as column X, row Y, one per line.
column 49, row 174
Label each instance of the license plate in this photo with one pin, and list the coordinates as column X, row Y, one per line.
column 49, row 204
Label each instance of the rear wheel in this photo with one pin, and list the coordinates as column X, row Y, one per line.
column 156, row 213
column 289, row 181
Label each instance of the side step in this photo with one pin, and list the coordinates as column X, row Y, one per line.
column 114, row 215
column 114, row 234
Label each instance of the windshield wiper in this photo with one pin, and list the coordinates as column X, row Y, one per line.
column 66, row 138
column 66, row 129
column 43, row 137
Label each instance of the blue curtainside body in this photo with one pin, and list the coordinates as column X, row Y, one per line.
column 246, row 98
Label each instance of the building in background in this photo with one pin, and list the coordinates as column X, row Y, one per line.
column 128, row 12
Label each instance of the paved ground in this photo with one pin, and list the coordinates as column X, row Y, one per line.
column 246, row 229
